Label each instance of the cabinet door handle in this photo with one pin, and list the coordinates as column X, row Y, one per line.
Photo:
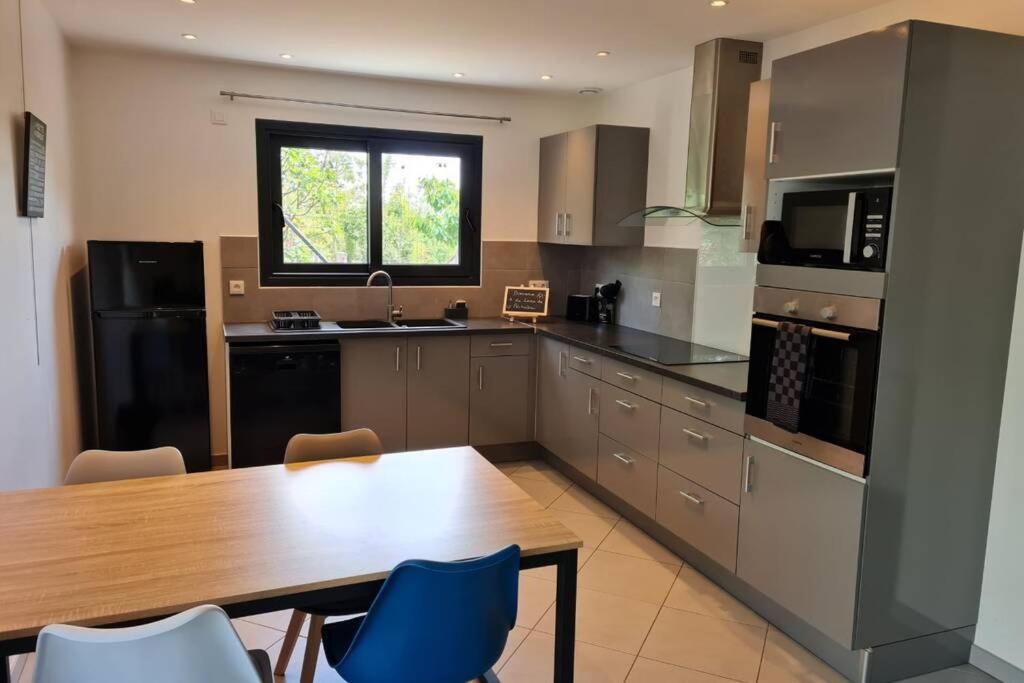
column 500, row 345
column 628, row 378
column 748, row 214
column 622, row 458
column 558, row 224
column 561, row 364
column 696, row 402
column 775, row 128
column 748, row 485
column 398, row 359
column 590, row 401
column 580, row 359
column 692, row 498
column 480, row 377
column 695, row 435
column 418, row 350
column 567, row 225
column 627, row 406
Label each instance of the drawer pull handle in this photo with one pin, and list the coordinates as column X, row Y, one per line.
column 585, row 361
column 590, row 401
column 692, row 498
column 628, row 378
column 748, row 486
column 623, row 458
column 627, row 406
column 695, row 435
column 500, row 345
column 696, row 402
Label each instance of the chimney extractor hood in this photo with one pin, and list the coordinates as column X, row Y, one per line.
column 723, row 70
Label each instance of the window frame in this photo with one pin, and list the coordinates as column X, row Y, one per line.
column 272, row 135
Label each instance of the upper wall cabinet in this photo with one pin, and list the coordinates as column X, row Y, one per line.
column 590, row 179
column 837, row 109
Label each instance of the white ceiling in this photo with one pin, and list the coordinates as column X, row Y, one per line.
column 503, row 43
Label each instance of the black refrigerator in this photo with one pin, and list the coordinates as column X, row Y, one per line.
column 147, row 321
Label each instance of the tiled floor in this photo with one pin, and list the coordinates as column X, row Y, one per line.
column 642, row 615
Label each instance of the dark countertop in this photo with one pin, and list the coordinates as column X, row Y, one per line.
column 261, row 332
column 728, row 379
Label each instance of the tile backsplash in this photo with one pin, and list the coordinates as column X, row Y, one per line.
column 569, row 269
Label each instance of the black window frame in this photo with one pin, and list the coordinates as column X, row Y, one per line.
column 272, row 135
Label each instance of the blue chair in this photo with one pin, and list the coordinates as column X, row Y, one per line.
column 432, row 622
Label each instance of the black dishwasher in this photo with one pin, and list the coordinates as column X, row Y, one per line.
column 277, row 391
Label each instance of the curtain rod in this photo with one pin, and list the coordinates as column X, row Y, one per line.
column 481, row 117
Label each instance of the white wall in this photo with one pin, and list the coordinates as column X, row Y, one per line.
column 151, row 166
column 38, row 419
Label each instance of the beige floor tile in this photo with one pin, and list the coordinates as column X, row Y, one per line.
column 627, row 539
column 515, row 638
column 278, row 620
column 576, row 499
column 550, row 573
column 29, row 670
column 787, row 662
column 540, row 470
column 629, row 577
column 591, row 529
column 607, row 620
column 544, row 492
column 535, row 597
column 324, row 673
column 254, row 636
column 534, row 662
column 509, row 467
column 650, row 671
column 694, row 592
column 715, row 646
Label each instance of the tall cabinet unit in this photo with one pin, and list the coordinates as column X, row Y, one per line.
column 590, row 179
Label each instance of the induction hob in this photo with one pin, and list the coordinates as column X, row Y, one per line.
column 676, row 352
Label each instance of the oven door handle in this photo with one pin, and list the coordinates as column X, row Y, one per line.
column 816, row 331
column 851, row 214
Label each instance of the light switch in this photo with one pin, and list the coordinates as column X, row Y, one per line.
column 236, row 287
column 217, row 118
column 656, row 299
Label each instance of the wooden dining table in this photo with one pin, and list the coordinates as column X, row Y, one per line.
column 262, row 539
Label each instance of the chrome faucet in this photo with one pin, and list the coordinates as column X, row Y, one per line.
column 393, row 313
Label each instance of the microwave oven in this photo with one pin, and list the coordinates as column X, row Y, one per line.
column 830, row 229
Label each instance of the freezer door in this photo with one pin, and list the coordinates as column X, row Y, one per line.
column 146, row 275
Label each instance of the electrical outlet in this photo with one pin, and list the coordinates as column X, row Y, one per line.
column 539, row 283
column 656, row 299
column 236, row 287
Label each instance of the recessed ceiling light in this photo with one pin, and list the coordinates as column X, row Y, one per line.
column 189, row 36
column 546, row 77
column 719, row 3
column 603, row 53
column 458, row 74
column 285, row 55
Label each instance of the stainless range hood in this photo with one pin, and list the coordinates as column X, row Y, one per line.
column 723, row 70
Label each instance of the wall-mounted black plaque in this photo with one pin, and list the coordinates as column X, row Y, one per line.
column 33, row 178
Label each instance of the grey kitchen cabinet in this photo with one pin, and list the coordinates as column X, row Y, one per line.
column 373, row 388
column 590, row 179
column 567, row 408
column 791, row 509
column 499, row 403
column 754, row 205
column 837, row 109
column 438, row 392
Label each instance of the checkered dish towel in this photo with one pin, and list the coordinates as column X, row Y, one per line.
column 789, row 369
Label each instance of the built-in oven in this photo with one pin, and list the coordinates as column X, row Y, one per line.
column 830, row 228
column 840, row 338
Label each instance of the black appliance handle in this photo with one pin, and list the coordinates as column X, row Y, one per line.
column 282, row 349
column 143, row 314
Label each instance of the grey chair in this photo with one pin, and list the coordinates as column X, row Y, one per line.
column 199, row 646
column 311, row 448
column 96, row 465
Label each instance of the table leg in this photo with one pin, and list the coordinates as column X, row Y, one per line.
column 565, row 616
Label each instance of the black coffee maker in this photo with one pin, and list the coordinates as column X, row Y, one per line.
column 607, row 295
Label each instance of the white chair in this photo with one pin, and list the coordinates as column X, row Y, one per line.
column 198, row 646
column 96, row 465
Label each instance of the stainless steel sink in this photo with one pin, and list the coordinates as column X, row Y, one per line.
column 414, row 324
column 364, row 324
column 431, row 323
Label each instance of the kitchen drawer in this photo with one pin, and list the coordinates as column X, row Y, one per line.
column 632, row 378
column 707, row 405
column 501, row 344
column 630, row 419
column 707, row 522
column 701, row 452
column 627, row 474
column 587, row 362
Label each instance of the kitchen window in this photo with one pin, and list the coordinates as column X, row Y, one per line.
column 339, row 202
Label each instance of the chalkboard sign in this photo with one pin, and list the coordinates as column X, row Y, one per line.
column 525, row 302
column 33, row 178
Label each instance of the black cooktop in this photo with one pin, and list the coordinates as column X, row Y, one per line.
column 676, row 352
